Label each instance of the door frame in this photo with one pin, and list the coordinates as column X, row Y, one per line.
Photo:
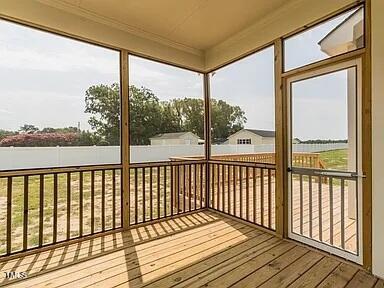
column 356, row 62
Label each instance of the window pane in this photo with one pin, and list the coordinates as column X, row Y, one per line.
column 56, row 92
column 243, row 112
column 166, row 112
column 337, row 36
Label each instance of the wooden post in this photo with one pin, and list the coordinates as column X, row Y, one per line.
column 367, row 140
column 280, row 145
column 207, row 136
column 124, row 78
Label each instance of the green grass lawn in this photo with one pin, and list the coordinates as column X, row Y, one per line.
column 335, row 159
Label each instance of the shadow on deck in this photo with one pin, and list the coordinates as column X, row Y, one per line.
column 199, row 249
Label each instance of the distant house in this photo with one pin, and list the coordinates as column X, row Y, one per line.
column 252, row 137
column 179, row 138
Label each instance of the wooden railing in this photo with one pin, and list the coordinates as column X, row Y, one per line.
column 299, row 159
column 160, row 190
column 39, row 207
column 48, row 206
column 244, row 191
column 324, row 209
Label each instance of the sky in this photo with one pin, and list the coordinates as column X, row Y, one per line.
column 43, row 79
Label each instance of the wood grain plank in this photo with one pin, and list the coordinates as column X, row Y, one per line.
column 362, row 280
column 316, row 274
column 231, row 277
column 293, row 271
column 339, row 277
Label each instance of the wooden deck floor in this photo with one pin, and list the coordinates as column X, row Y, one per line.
column 200, row 249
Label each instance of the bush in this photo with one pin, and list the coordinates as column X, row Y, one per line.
column 40, row 140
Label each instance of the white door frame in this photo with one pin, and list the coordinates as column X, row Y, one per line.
column 358, row 258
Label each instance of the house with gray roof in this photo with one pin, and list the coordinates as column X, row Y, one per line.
column 177, row 138
column 252, row 137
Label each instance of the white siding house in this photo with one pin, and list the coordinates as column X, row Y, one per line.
column 179, row 138
column 252, row 137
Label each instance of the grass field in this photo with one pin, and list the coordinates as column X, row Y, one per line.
column 335, row 159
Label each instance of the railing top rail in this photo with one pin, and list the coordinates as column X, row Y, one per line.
column 166, row 163
column 245, row 164
column 55, row 170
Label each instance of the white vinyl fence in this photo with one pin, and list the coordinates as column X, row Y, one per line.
column 40, row 157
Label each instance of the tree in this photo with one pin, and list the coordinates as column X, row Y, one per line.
column 6, row 133
column 146, row 115
column 69, row 129
column 149, row 116
column 226, row 119
column 29, row 129
column 190, row 115
column 103, row 102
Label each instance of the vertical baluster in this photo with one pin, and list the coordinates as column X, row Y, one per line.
column 158, row 191
column 342, row 206
column 25, row 220
column 150, row 193
column 143, row 190
column 194, row 186
column 92, row 202
column 9, row 214
column 114, row 198
column 234, row 190
column 55, row 208
column 241, row 190
column 218, row 187
column 247, row 192
column 41, row 210
column 320, row 204
column 178, row 189
column 262, row 196
column 229, row 190
column 184, row 167
column 301, row 203
column 81, row 203
column 310, row 205
column 201, row 185
column 269, row 199
column 213, row 185
column 331, row 210
column 165, row 191
column 103, row 200
column 121, row 196
column 172, row 190
column 189, row 187
column 254, row 194
column 223, row 188
column 69, row 205
column 136, row 195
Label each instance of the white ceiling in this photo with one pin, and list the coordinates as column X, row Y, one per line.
column 193, row 24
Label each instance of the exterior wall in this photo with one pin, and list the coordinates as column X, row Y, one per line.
column 189, row 141
column 268, row 140
column 378, row 136
column 255, row 139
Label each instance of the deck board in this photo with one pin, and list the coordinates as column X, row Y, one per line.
column 201, row 249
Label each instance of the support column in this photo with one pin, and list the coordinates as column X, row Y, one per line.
column 125, row 157
column 281, row 142
column 207, row 135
